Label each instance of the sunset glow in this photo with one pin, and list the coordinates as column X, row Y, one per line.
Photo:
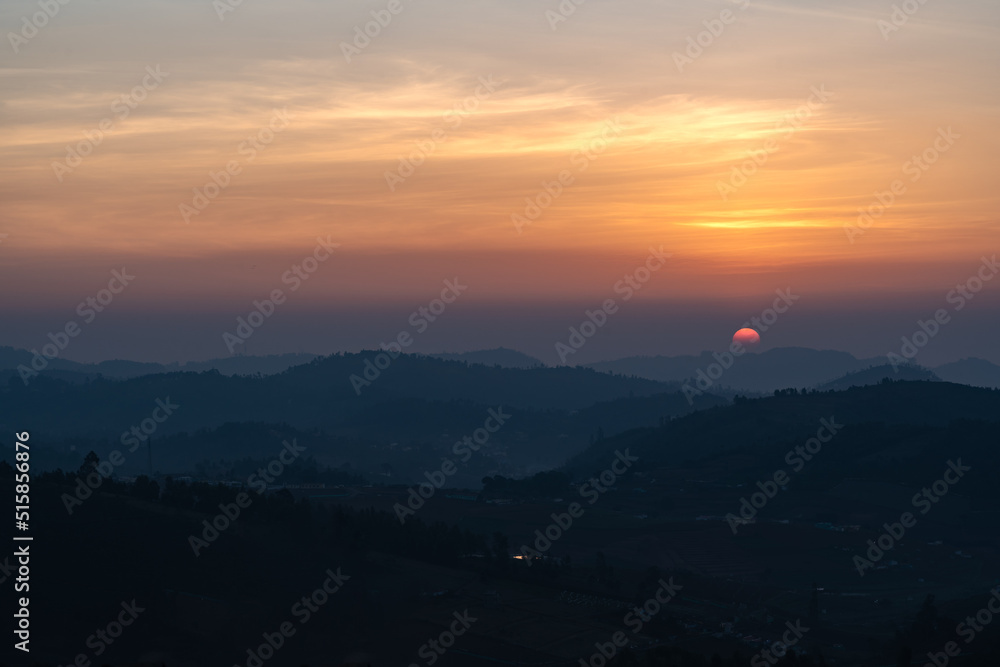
column 769, row 154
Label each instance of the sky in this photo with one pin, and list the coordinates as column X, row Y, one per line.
column 534, row 151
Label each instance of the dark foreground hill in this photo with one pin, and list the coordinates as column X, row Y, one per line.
column 208, row 594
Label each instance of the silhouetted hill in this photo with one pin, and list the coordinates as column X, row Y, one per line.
column 11, row 358
column 876, row 374
column 664, row 517
column 796, row 417
column 626, row 413
column 757, row 372
column 122, row 368
column 660, row 519
column 500, row 356
column 434, row 379
column 244, row 365
column 417, row 405
column 800, row 367
column 414, row 440
column 971, row 371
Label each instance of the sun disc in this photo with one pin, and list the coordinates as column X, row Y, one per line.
column 746, row 337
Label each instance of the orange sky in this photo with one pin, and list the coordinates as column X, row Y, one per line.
column 655, row 182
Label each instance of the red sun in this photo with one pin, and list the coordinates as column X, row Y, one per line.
column 746, row 337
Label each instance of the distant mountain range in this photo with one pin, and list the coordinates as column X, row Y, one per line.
column 798, row 367
column 11, row 358
column 369, row 410
column 754, row 373
column 361, row 409
column 971, row 371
